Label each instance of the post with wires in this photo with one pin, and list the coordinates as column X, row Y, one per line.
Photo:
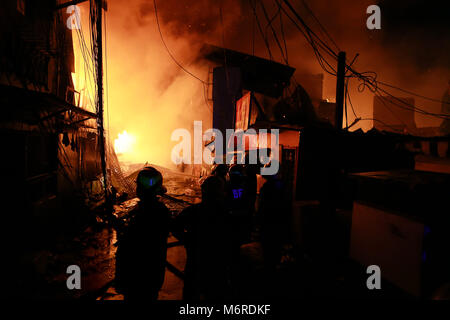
column 340, row 87
column 100, row 121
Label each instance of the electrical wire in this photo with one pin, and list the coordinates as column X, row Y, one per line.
column 325, row 65
column 371, row 83
column 382, row 122
column 320, row 24
column 168, row 51
column 227, row 76
column 266, row 42
column 412, row 93
column 383, row 101
column 269, row 24
column 310, row 32
column 345, row 102
column 87, row 56
column 205, row 93
column 283, row 37
column 368, row 79
column 350, row 101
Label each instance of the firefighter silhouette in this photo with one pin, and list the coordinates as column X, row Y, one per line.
column 220, row 171
column 142, row 244
column 203, row 230
column 273, row 214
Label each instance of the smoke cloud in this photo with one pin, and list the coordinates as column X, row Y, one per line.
column 150, row 96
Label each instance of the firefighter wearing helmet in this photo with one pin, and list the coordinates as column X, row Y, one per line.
column 142, row 246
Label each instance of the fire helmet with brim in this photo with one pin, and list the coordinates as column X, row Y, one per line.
column 149, row 182
column 213, row 189
column 220, row 169
column 236, row 170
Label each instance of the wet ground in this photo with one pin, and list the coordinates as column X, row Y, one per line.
column 41, row 265
column 94, row 252
column 183, row 190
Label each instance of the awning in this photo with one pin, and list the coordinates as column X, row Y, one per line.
column 260, row 75
column 17, row 101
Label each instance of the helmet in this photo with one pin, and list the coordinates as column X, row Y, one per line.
column 149, row 182
column 213, row 190
column 220, row 170
column 236, row 170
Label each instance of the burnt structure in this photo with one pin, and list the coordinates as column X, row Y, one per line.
column 338, row 180
column 50, row 159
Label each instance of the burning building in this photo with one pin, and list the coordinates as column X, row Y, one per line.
column 351, row 198
column 50, row 163
column 331, row 173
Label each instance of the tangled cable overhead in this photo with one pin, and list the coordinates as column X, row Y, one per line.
column 324, row 49
column 367, row 79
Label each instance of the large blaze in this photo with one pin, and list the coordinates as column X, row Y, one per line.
column 140, row 75
column 124, row 143
column 254, row 150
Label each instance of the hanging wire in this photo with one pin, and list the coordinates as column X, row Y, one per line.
column 269, row 25
column 283, row 36
column 320, row 24
column 368, row 79
column 266, row 42
column 168, row 51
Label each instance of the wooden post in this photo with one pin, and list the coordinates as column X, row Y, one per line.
column 340, row 87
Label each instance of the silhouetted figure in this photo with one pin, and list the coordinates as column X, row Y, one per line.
column 273, row 213
column 203, row 229
column 251, row 171
column 142, row 245
column 220, row 171
column 238, row 202
column 238, row 216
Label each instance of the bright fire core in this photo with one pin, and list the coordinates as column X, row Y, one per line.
column 124, row 143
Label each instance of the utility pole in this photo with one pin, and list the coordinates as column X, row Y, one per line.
column 340, row 86
column 100, row 122
column 98, row 59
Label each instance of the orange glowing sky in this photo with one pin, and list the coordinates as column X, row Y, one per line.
column 148, row 96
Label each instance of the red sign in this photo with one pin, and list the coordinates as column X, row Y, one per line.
column 242, row 112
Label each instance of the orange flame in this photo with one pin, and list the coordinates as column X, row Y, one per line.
column 124, row 143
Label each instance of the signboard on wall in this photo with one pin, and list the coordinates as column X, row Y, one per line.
column 242, row 112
